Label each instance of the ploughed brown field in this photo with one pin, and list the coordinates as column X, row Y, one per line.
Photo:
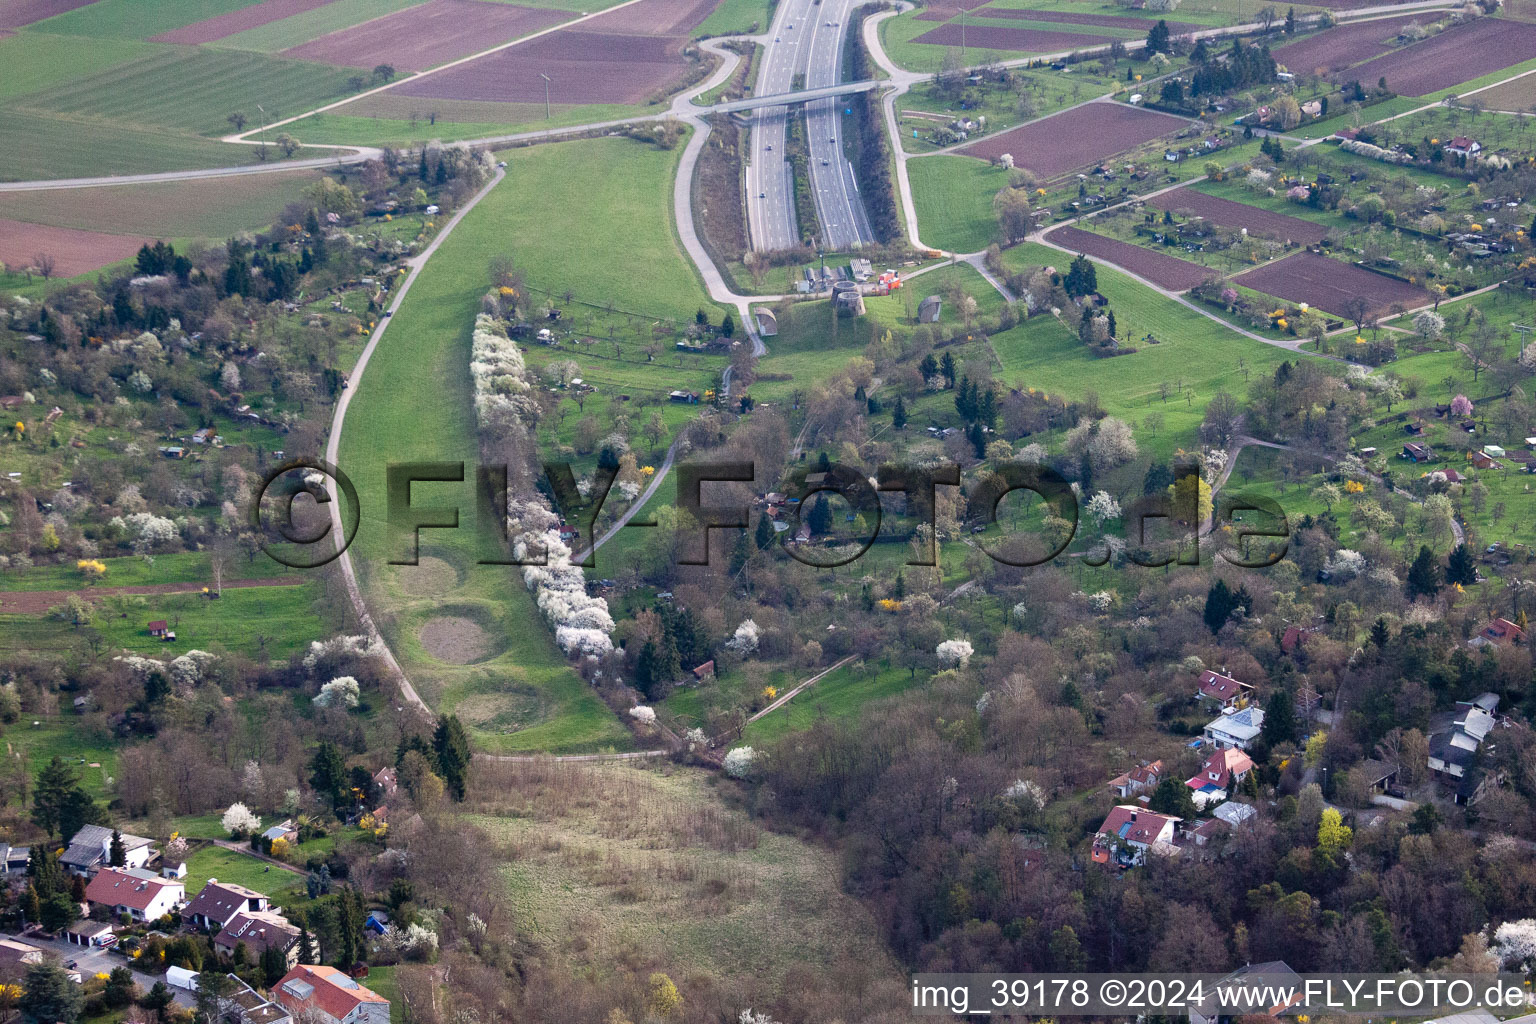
column 1343, row 45
column 625, row 56
column 1228, row 214
column 1075, row 138
column 1079, row 18
column 1161, row 269
column 994, row 37
column 418, row 38
column 73, row 251
column 211, row 29
column 16, row 13
column 949, row 9
column 1458, row 54
column 1328, row 284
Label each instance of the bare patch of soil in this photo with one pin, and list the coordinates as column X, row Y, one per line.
column 456, row 640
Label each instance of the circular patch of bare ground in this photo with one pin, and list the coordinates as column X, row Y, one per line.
column 430, row 577
column 457, row 640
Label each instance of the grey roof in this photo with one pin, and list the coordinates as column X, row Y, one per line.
column 1234, row 813
column 82, row 855
column 101, row 836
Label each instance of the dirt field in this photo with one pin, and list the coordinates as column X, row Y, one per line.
column 1327, row 284
column 654, row 18
column 1343, row 45
column 1076, row 138
column 1517, row 95
column 1456, row 55
column 584, row 67
column 1228, row 214
column 948, row 9
column 36, row 602
column 418, row 38
column 1023, row 40
column 210, row 29
column 455, row 639
column 1076, row 18
column 16, row 13
column 73, row 251
column 1161, row 269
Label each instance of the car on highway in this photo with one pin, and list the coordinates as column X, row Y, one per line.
column 762, row 195
column 824, row 163
column 769, row 147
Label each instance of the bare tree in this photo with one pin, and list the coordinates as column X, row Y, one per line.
column 45, row 264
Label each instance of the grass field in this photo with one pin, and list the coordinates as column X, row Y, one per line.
column 255, row 621
column 953, row 196
column 39, row 60
column 194, row 89
column 237, row 869
column 67, row 147
column 1196, row 357
column 39, row 739
column 177, row 567
column 841, row 694
column 340, row 128
column 690, row 881
column 525, row 696
column 736, row 17
column 209, row 209
column 137, row 19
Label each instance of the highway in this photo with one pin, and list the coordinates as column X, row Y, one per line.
column 770, row 192
column 844, row 222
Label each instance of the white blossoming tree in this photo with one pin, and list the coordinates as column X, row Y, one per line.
column 341, row 692
column 738, row 762
column 1514, row 942
column 954, row 653
column 1103, row 508
column 239, row 821
column 745, row 640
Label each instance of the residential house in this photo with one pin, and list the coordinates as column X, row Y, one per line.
column 1455, row 740
column 1498, row 633
column 1461, row 145
column 139, row 894
column 1275, row 977
column 91, row 849
column 1220, row 772
column 254, row 1008
column 1235, row 728
column 16, row 957
column 1235, row 813
column 259, row 931
column 1224, row 690
column 384, row 780
column 330, row 996
column 1141, row 779
column 1129, row 832
column 1294, row 637
column 1379, row 775
column 218, row 903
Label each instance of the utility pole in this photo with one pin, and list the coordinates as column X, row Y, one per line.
column 546, row 94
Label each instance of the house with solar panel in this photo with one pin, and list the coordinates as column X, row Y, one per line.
column 1129, row 832
column 1235, row 728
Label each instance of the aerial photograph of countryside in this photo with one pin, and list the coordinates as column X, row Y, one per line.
column 767, row 511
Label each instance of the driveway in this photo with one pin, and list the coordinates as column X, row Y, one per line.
column 95, row 960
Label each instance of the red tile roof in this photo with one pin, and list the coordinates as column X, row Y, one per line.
column 114, row 888
column 334, row 992
column 1223, row 688
column 1135, row 824
column 1223, row 764
column 1502, row 631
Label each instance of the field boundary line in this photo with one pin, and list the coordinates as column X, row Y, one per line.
column 243, row 137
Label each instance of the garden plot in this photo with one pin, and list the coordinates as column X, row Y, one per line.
column 1458, row 54
column 1075, row 138
column 1228, row 214
column 71, row 250
column 220, row 26
column 1343, row 45
column 1330, row 285
column 1163, row 270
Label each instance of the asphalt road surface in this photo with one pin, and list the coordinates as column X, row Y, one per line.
column 770, row 192
column 839, row 207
